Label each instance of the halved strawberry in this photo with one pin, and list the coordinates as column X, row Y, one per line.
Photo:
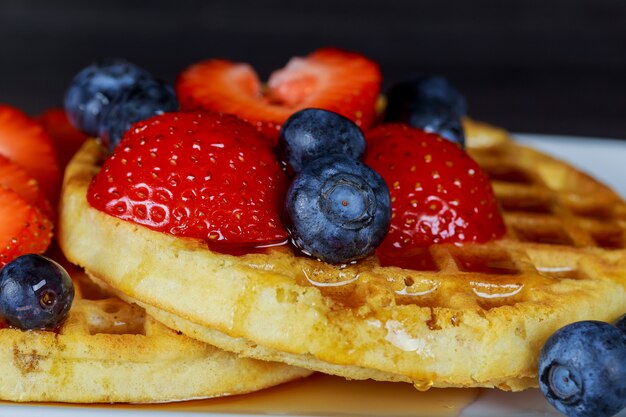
column 15, row 177
column 23, row 227
column 344, row 82
column 199, row 175
column 24, row 140
column 438, row 193
column 66, row 138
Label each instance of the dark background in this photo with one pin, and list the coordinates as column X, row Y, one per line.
column 530, row 66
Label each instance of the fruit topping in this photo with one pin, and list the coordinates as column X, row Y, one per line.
column 620, row 323
column 16, row 178
column 582, row 369
column 95, row 87
column 35, row 293
column 337, row 209
column 199, row 175
column 310, row 133
column 146, row 98
column 65, row 137
column 343, row 82
column 26, row 143
column 24, row 228
column 430, row 103
column 439, row 194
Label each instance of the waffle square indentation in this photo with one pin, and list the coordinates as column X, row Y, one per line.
column 418, row 259
column 546, row 235
column 606, row 239
column 506, row 173
column 525, row 204
column 492, row 263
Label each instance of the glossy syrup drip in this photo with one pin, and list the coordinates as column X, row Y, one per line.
column 244, row 249
column 324, row 395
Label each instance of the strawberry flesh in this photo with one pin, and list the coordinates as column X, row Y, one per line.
column 439, row 194
column 344, row 82
column 24, row 228
column 199, row 175
column 24, row 140
column 16, row 178
column 66, row 138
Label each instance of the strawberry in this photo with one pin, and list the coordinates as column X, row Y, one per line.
column 438, row 193
column 23, row 229
column 66, row 138
column 16, row 178
column 344, row 82
column 24, row 140
column 199, row 175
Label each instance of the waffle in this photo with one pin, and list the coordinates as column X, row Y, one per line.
column 458, row 316
column 111, row 351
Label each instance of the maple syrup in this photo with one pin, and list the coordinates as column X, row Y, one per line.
column 323, row 395
column 244, row 249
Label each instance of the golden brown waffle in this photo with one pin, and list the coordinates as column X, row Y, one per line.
column 474, row 315
column 110, row 351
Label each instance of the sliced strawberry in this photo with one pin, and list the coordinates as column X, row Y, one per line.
column 23, row 227
column 438, row 193
column 15, row 177
column 66, row 138
column 24, row 140
column 206, row 176
column 344, row 82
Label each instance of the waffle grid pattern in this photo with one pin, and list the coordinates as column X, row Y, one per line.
column 110, row 351
column 473, row 315
column 556, row 217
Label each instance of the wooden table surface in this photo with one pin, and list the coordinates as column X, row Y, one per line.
column 551, row 67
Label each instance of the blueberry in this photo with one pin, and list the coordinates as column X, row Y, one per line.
column 35, row 292
column 430, row 103
column 311, row 133
column 582, row 369
column 621, row 323
column 146, row 98
column 337, row 209
column 95, row 87
column 434, row 117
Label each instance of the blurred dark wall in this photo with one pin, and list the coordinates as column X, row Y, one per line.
column 531, row 66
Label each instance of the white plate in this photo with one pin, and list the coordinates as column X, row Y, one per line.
column 333, row 397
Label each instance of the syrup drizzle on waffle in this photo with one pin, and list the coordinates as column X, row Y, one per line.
column 552, row 209
column 470, row 315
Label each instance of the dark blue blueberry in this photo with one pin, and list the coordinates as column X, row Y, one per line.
column 35, row 292
column 430, row 103
column 311, row 133
column 95, row 87
column 582, row 369
column 621, row 323
column 146, row 98
column 337, row 209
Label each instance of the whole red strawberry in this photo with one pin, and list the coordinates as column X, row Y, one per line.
column 332, row 79
column 200, row 175
column 438, row 193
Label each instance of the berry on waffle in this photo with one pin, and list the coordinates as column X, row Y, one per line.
column 471, row 315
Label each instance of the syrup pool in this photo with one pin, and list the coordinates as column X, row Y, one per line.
column 318, row 395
